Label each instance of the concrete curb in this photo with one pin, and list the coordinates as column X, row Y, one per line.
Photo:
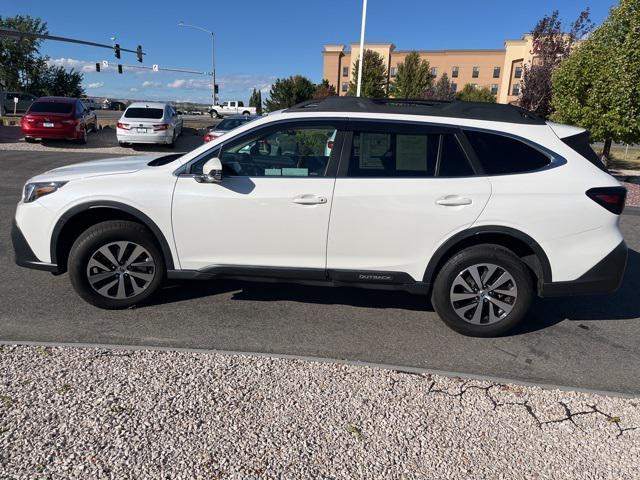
column 306, row 358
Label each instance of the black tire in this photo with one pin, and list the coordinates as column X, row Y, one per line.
column 123, row 144
column 83, row 139
column 505, row 260
column 101, row 235
column 29, row 140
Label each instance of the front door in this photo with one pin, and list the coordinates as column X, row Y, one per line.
column 272, row 207
column 401, row 191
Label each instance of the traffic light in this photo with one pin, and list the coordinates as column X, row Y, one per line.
column 119, row 68
column 97, row 66
column 215, row 89
column 139, row 53
column 117, row 50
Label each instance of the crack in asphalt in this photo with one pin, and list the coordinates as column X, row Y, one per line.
column 569, row 416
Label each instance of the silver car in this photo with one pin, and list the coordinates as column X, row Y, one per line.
column 156, row 123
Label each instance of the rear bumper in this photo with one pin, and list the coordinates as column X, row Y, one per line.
column 53, row 133
column 162, row 137
column 24, row 256
column 604, row 277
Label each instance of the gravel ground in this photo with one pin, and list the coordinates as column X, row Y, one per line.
column 633, row 194
column 93, row 413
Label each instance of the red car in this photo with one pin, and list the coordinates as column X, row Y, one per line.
column 59, row 118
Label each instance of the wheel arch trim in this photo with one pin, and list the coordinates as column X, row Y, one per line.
column 140, row 216
column 439, row 256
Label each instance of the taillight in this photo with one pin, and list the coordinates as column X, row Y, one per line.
column 123, row 126
column 160, row 126
column 28, row 119
column 330, row 144
column 70, row 122
column 611, row 198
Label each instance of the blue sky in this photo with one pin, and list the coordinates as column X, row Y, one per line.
column 258, row 41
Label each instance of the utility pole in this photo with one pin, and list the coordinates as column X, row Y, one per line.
column 213, row 57
column 361, row 61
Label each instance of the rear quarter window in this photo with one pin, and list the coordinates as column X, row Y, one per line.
column 501, row 155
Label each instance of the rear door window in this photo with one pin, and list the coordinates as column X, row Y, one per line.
column 501, row 155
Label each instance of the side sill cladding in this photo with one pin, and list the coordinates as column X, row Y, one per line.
column 440, row 255
column 144, row 219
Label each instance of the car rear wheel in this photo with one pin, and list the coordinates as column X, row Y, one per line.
column 483, row 291
column 116, row 264
column 82, row 139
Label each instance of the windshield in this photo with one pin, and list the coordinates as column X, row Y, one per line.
column 231, row 123
column 51, row 107
column 155, row 113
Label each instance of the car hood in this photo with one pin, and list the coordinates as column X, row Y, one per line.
column 109, row 166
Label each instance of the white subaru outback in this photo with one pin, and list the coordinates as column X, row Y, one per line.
column 479, row 206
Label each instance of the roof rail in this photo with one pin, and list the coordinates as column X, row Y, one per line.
column 419, row 106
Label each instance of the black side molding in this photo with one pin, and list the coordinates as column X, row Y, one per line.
column 604, row 277
column 24, row 256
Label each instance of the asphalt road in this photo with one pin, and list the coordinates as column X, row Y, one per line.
column 587, row 342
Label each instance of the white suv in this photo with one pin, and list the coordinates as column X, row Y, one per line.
column 479, row 206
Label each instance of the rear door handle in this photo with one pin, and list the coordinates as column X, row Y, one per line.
column 453, row 201
column 309, row 199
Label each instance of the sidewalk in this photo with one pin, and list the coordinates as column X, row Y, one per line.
column 90, row 413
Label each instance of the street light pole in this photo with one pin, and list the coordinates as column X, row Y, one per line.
column 361, row 61
column 213, row 57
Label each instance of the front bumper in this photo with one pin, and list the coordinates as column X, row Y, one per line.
column 24, row 256
column 604, row 277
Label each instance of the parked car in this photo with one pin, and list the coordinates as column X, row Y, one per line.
column 91, row 104
column 24, row 101
column 58, row 118
column 149, row 123
column 226, row 125
column 233, row 107
column 477, row 206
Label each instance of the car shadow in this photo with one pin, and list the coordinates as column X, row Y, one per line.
column 545, row 312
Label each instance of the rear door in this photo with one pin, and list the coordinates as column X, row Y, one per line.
column 401, row 190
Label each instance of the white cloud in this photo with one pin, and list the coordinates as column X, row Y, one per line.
column 96, row 85
column 191, row 84
column 133, row 89
column 148, row 83
column 70, row 63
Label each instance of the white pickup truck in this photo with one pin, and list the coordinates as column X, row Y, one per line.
column 233, row 107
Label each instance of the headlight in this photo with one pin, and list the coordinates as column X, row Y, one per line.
column 33, row 191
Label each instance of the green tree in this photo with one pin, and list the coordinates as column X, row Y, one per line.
column 324, row 89
column 20, row 60
column 256, row 100
column 374, row 76
column 471, row 93
column 22, row 67
column 413, row 78
column 442, row 90
column 286, row 92
column 597, row 87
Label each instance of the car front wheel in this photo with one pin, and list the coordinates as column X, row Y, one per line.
column 116, row 264
column 483, row 291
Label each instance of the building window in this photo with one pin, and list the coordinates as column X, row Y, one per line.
column 393, row 71
column 454, row 72
column 345, row 86
column 476, row 72
column 496, row 72
column 515, row 89
column 454, row 87
column 494, row 88
column 345, row 71
column 518, row 72
column 434, row 71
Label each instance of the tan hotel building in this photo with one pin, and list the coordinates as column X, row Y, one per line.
column 498, row 70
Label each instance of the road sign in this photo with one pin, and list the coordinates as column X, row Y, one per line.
column 105, row 63
column 155, row 67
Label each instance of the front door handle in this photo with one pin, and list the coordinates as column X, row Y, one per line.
column 453, row 201
column 309, row 199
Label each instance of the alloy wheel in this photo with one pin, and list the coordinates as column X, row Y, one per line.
column 120, row 270
column 483, row 294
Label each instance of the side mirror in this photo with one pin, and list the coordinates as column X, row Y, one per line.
column 211, row 171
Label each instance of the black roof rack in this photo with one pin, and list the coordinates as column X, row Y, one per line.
column 495, row 112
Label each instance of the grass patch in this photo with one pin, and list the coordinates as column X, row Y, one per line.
column 621, row 158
